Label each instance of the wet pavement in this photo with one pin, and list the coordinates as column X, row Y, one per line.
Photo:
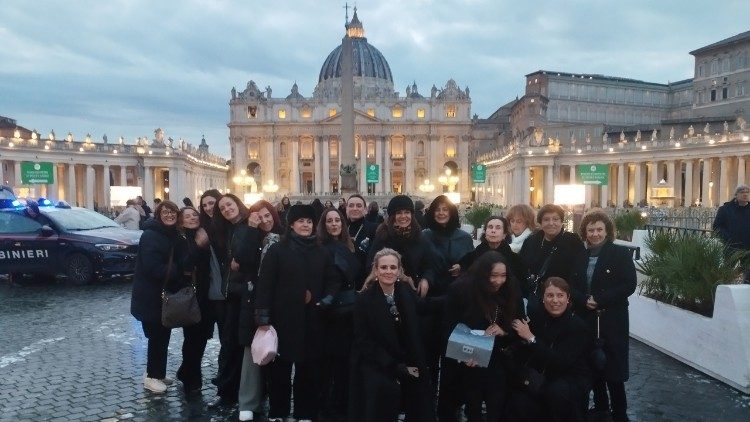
column 74, row 353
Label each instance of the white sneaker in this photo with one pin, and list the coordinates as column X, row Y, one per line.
column 246, row 415
column 167, row 381
column 154, row 385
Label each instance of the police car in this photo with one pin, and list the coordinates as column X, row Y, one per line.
column 62, row 240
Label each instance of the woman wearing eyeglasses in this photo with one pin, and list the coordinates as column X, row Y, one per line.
column 162, row 255
column 388, row 360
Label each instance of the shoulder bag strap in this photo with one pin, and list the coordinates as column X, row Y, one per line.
column 169, row 269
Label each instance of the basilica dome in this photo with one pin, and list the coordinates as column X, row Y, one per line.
column 368, row 61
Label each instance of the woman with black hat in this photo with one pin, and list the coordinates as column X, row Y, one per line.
column 297, row 280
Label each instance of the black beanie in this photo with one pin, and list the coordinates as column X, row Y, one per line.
column 298, row 211
column 400, row 202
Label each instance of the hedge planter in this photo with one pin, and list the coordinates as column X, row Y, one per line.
column 718, row 346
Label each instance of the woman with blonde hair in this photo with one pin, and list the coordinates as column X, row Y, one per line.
column 388, row 361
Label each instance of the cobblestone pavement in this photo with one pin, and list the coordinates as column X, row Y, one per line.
column 74, row 353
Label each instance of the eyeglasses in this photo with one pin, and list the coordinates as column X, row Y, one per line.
column 392, row 306
column 167, row 213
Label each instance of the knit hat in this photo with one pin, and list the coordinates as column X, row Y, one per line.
column 300, row 211
column 400, row 202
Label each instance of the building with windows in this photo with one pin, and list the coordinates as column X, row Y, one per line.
column 82, row 172
column 681, row 143
column 291, row 144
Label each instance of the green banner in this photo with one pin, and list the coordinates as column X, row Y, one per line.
column 478, row 173
column 373, row 173
column 593, row 174
column 37, row 173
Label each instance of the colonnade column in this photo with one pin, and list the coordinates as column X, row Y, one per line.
column 706, row 198
column 53, row 188
column 387, row 186
column 2, row 173
column 740, row 170
column 295, row 167
column 688, row 194
column 318, row 168
column 621, row 185
column 363, row 166
column 549, row 185
column 326, row 167
column 520, row 188
column 106, row 184
column 90, row 175
column 724, row 189
column 70, row 190
column 379, row 161
column 17, row 173
column 148, row 183
column 240, row 145
column 435, row 165
column 270, row 163
column 671, row 179
column 639, row 180
column 123, row 176
column 409, row 185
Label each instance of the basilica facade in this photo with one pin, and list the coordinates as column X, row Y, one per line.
column 402, row 143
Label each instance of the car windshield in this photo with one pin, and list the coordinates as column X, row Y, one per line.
column 80, row 219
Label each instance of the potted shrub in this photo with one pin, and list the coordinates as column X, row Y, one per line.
column 477, row 215
column 627, row 222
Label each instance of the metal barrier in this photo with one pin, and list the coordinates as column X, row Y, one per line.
column 658, row 228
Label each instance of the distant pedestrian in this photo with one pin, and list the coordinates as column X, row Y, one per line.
column 419, row 213
column 187, row 202
column 732, row 223
column 373, row 213
column 129, row 217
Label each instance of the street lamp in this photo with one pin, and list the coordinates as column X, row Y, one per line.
column 449, row 180
column 426, row 187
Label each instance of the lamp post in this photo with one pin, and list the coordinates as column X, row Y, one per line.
column 271, row 188
column 449, row 181
column 244, row 180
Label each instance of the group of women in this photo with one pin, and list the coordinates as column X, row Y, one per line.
column 363, row 310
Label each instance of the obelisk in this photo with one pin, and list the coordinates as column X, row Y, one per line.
column 348, row 167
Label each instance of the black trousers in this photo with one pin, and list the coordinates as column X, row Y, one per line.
column 219, row 311
column 616, row 397
column 559, row 400
column 306, row 404
column 193, row 348
column 157, row 349
column 460, row 384
column 231, row 352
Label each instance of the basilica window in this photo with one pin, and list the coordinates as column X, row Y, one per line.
column 252, row 112
column 397, row 147
column 740, row 89
column 306, row 149
column 282, row 113
column 420, row 148
column 715, row 66
column 370, row 149
column 397, row 112
column 371, row 112
column 306, row 113
column 283, row 149
column 420, row 113
column 450, row 111
column 331, row 112
column 450, row 148
column 252, row 150
column 333, row 149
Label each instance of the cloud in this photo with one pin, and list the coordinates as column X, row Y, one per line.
column 125, row 67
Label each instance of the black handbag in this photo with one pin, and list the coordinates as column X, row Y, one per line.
column 598, row 359
column 179, row 309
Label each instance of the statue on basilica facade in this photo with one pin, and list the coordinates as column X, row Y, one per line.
column 605, row 138
column 159, row 137
column 638, row 136
column 69, row 138
column 653, row 135
column 234, row 93
column 741, row 123
column 691, row 131
column 588, row 137
column 51, row 136
column 622, row 137
column 268, row 92
column 726, row 127
column 433, row 92
column 707, row 128
column 671, row 133
column 104, row 139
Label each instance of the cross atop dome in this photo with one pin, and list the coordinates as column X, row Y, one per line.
column 354, row 28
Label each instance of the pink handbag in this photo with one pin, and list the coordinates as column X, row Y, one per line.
column 265, row 346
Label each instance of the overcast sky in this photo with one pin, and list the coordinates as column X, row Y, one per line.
column 126, row 67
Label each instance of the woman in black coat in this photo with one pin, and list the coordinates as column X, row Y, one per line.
column 604, row 278
column 297, row 279
column 361, row 231
column 195, row 336
column 388, row 361
column 337, row 322
column 486, row 298
column 240, row 253
column 556, row 343
column 495, row 238
column 264, row 218
column 162, row 259
column 549, row 252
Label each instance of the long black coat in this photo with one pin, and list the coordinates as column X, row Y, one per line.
column 613, row 281
column 291, row 268
column 535, row 250
column 152, row 268
column 515, row 264
column 381, row 352
column 245, row 248
column 202, row 275
column 362, row 233
column 416, row 255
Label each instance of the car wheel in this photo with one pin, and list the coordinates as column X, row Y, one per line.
column 79, row 269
